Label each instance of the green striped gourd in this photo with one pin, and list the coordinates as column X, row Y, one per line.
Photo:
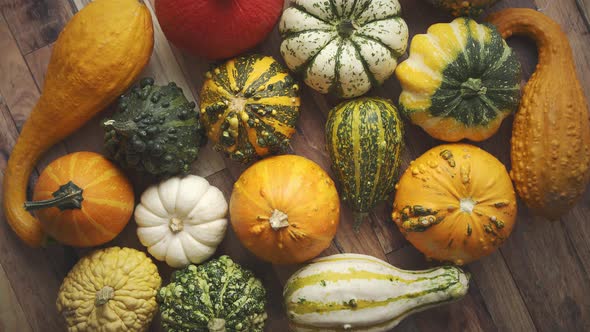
column 364, row 138
column 351, row 292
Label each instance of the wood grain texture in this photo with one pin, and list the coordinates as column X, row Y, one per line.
column 539, row 280
column 12, row 317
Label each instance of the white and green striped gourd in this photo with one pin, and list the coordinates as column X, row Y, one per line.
column 351, row 292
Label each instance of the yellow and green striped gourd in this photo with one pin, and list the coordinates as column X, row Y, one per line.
column 460, row 81
column 364, row 138
column 352, row 292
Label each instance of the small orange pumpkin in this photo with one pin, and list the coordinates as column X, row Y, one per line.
column 285, row 209
column 455, row 203
column 82, row 200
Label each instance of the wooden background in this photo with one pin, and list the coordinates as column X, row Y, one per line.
column 538, row 280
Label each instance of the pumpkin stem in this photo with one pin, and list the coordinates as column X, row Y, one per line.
column 216, row 325
column 359, row 217
column 68, row 196
column 345, row 28
column 176, row 225
column 278, row 220
column 473, row 87
column 104, row 295
column 125, row 128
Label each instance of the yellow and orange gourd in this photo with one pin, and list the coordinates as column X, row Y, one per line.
column 455, row 203
column 551, row 136
column 285, row 209
column 96, row 57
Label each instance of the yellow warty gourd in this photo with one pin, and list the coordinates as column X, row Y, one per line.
column 112, row 289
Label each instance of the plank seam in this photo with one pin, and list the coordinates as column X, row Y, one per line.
column 20, row 306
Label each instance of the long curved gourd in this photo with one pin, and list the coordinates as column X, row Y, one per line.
column 551, row 136
column 360, row 293
column 95, row 59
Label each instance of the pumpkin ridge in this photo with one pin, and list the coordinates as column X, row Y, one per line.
column 336, row 87
column 362, row 60
column 394, row 53
column 303, row 9
column 365, row 6
column 109, row 202
column 96, row 224
column 103, row 177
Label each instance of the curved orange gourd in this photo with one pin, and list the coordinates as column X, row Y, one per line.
column 551, row 136
column 95, row 59
column 455, row 203
column 105, row 200
column 285, row 209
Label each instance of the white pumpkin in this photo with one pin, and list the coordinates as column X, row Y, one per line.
column 181, row 220
column 343, row 47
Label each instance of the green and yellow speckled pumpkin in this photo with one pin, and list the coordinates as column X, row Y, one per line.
column 249, row 107
column 365, row 138
column 464, row 7
column 460, row 81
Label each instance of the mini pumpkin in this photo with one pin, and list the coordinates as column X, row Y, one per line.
column 249, row 107
column 181, row 220
column 455, row 203
column 82, row 200
column 343, row 47
column 461, row 80
column 285, row 209
column 110, row 290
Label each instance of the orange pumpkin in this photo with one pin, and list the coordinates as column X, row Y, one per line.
column 455, row 203
column 82, row 200
column 285, row 209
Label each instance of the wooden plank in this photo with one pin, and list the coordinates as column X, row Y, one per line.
column 36, row 23
column 12, row 317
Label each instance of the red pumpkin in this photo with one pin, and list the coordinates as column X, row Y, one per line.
column 217, row 29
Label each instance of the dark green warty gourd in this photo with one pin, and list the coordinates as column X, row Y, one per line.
column 216, row 296
column 155, row 130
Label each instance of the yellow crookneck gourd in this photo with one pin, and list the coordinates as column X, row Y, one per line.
column 551, row 136
column 96, row 57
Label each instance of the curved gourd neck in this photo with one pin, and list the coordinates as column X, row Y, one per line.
column 552, row 42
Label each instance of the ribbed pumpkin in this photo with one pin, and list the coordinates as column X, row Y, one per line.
column 464, row 7
column 343, row 47
column 364, row 138
column 460, row 81
column 455, row 203
column 82, row 200
column 249, row 107
column 360, row 293
column 285, row 209
column 551, row 136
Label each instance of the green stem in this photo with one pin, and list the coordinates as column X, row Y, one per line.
column 345, row 28
column 473, row 87
column 125, row 128
column 68, row 196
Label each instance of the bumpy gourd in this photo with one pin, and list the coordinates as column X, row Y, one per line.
column 110, row 290
column 285, row 209
column 455, row 203
column 343, row 47
column 551, row 136
column 464, row 7
column 82, row 200
column 460, row 81
column 360, row 293
column 249, row 107
column 364, row 138
column 217, row 296
column 85, row 74
column 155, row 130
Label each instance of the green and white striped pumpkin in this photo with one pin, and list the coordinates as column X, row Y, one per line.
column 344, row 47
column 351, row 292
column 364, row 138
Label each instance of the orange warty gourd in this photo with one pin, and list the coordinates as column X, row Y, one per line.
column 82, row 200
column 96, row 57
column 551, row 136
column 285, row 209
column 455, row 203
